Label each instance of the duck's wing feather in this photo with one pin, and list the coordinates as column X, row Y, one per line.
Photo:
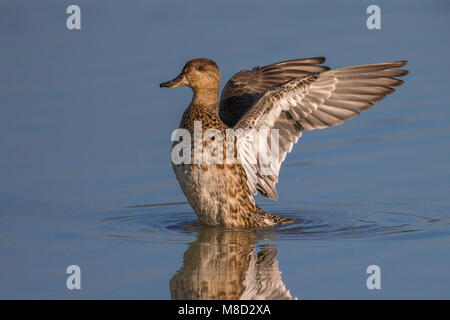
column 315, row 101
column 246, row 87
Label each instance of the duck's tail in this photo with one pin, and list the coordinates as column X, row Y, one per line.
column 264, row 218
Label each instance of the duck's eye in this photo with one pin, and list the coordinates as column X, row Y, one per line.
column 201, row 68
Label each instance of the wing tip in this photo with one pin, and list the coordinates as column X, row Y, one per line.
column 379, row 65
column 404, row 73
column 400, row 63
column 270, row 193
column 320, row 59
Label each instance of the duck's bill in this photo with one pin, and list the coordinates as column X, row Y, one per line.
column 177, row 82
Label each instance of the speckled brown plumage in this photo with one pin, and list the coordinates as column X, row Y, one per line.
column 291, row 97
column 221, row 196
column 218, row 193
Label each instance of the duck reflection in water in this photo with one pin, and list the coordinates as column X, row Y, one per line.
column 223, row 264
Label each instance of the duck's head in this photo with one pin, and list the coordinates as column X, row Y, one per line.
column 199, row 74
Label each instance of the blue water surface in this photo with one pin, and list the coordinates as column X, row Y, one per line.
column 85, row 173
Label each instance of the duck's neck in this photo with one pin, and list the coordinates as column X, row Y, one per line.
column 206, row 97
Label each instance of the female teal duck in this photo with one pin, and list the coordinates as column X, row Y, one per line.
column 290, row 96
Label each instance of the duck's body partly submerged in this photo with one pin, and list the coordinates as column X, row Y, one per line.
column 218, row 193
column 290, row 96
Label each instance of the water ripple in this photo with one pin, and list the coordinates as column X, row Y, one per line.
column 176, row 222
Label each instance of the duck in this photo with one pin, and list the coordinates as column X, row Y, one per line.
column 279, row 101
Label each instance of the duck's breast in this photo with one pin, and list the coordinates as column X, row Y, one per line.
column 204, row 188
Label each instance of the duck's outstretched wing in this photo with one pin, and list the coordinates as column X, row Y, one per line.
column 246, row 87
column 315, row 101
